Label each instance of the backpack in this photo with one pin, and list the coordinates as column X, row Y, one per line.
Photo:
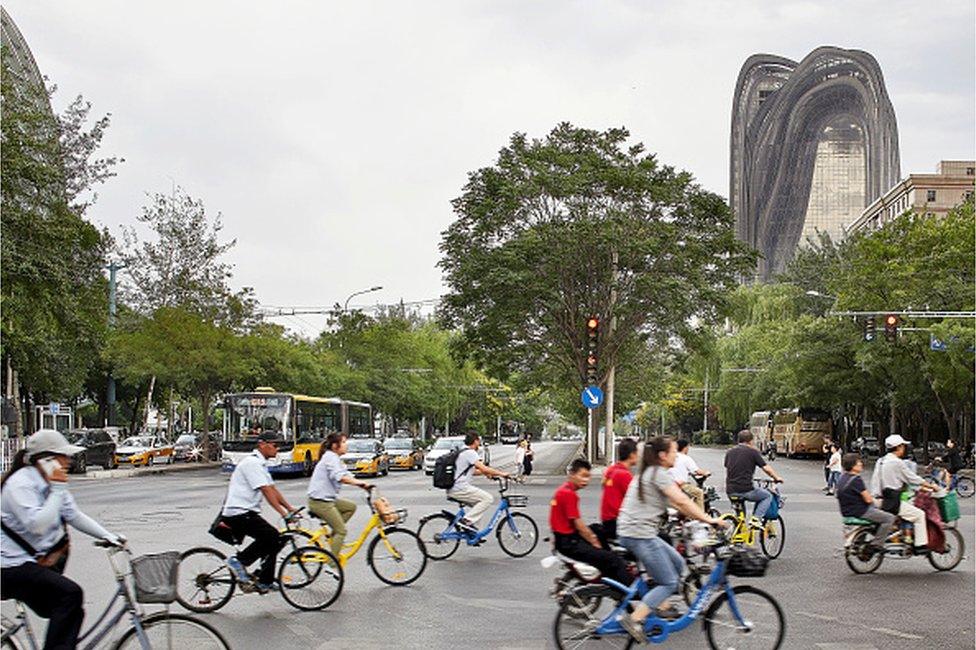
column 445, row 468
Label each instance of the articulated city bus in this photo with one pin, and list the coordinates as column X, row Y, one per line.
column 761, row 426
column 301, row 421
column 801, row 431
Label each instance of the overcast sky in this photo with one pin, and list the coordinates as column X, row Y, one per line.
column 332, row 136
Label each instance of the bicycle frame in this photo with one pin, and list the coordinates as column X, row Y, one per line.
column 742, row 533
column 322, row 536
column 717, row 582
column 452, row 531
column 104, row 624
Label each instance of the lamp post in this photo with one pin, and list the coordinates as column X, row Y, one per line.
column 345, row 306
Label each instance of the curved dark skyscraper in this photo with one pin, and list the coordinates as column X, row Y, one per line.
column 813, row 143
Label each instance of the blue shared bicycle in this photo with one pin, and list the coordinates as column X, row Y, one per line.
column 517, row 532
column 738, row 616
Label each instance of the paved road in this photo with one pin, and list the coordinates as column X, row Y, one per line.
column 481, row 598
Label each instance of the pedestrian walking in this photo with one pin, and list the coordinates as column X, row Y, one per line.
column 834, row 467
column 527, row 461
column 825, row 450
column 520, row 457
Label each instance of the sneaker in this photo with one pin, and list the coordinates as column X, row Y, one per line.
column 466, row 526
column 238, row 570
column 632, row 627
column 264, row 588
column 669, row 612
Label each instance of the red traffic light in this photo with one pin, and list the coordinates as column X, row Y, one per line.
column 593, row 323
column 891, row 320
column 591, row 360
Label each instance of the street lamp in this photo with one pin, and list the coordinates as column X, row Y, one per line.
column 817, row 294
column 345, row 307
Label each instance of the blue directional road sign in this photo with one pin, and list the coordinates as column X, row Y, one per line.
column 592, row 397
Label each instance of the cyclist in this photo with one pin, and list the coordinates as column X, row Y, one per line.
column 854, row 500
column 468, row 463
column 34, row 507
column 323, row 489
column 740, row 464
column 644, row 506
column 242, row 512
column 684, row 467
column 572, row 537
column 616, row 480
column 891, row 474
column 953, row 460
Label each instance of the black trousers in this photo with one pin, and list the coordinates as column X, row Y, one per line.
column 608, row 562
column 266, row 545
column 51, row 596
column 608, row 531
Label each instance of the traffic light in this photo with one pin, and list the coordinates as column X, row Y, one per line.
column 870, row 329
column 592, row 331
column 891, row 327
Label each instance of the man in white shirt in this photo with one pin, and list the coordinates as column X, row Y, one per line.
column 250, row 482
column 892, row 473
column 682, row 470
column 477, row 500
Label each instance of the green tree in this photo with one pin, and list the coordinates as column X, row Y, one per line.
column 577, row 224
column 53, row 294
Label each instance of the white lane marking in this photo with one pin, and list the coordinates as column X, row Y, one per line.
column 882, row 630
column 819, row 617
column 900, row 635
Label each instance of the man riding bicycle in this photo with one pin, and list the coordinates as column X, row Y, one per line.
column 740, row 464
column 572, row 537
column 468, row 463
column 685, row 467
column 241, row 512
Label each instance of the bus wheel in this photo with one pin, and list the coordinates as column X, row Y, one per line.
column 307, row 465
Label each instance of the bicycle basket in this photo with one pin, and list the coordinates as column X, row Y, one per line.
column 518, row 500
column 746, row 563
column 155, row 577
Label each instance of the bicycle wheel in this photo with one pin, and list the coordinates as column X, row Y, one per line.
column 397, row 557
column 310, row 578
column 761, row 625
column 582, row 610
column 205, row 582
column 965, row 487
column 773, row 537
column 165, row 630
column 859, row 558
column 954, row 549
column 518, row 536
column 431, row 527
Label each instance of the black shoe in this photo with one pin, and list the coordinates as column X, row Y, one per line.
column 920, row 550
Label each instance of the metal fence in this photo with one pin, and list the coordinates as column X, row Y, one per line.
column 10, row 447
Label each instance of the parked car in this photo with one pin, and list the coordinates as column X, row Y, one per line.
column 366, row 456
column 445, row 445
column 144, row 450
column 99, row 450
column 191, row 447
column 404, row 453
column 868, row 446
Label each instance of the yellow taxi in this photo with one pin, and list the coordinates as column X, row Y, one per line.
column 143, row 450
column 366, row 456
column 404, row 453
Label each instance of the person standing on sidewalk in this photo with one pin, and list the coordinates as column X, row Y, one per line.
column 834, row 467
column 250, row 482
column 520, row 457
column 616, row 480
column 825, row 450
column 324, row 486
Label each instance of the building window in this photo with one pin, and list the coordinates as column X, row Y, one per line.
column 971, row 171
column 930, row 196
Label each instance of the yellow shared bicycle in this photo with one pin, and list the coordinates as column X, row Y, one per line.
column 772, row 533
column 396, row 555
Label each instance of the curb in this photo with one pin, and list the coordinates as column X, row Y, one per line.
column 146, row 471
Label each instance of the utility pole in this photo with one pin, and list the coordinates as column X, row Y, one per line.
column 113, row 269
column 705, row 412
column 608, row 434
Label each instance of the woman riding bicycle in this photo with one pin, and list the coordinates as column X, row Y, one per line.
column 644, row 506
column 323, row 489
column 35, row 505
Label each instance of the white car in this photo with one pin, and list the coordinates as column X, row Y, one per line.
column 445, row 445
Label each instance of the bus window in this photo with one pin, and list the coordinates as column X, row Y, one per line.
column 315, row 420
column 360, row 421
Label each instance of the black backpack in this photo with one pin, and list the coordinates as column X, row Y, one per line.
column 445, row 468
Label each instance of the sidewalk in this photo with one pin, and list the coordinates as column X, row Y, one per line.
column 130, row 472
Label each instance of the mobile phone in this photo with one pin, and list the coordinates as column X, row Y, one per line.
column 49, row 466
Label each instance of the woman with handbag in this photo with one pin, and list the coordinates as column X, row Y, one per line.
column 35, row 507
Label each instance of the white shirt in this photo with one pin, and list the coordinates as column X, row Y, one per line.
column 326, row 480
column 464, row 469
column 25, row 509
column 683, row 466
column 892, row 472
column 244, row 491
column 834, row 463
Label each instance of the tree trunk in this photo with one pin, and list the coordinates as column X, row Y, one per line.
column 205, row 412
column 134, row 422
column 149, row 394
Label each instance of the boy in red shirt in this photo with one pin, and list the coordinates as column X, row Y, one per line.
column 572, row 537
column 615, row 482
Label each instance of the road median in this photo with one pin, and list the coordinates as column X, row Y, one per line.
column 133, row 472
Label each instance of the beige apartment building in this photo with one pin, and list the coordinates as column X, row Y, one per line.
column 951, row 184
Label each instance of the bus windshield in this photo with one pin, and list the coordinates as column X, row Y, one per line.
column 250, row 415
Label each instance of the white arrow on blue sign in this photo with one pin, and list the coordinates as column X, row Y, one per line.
column 592, row 397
